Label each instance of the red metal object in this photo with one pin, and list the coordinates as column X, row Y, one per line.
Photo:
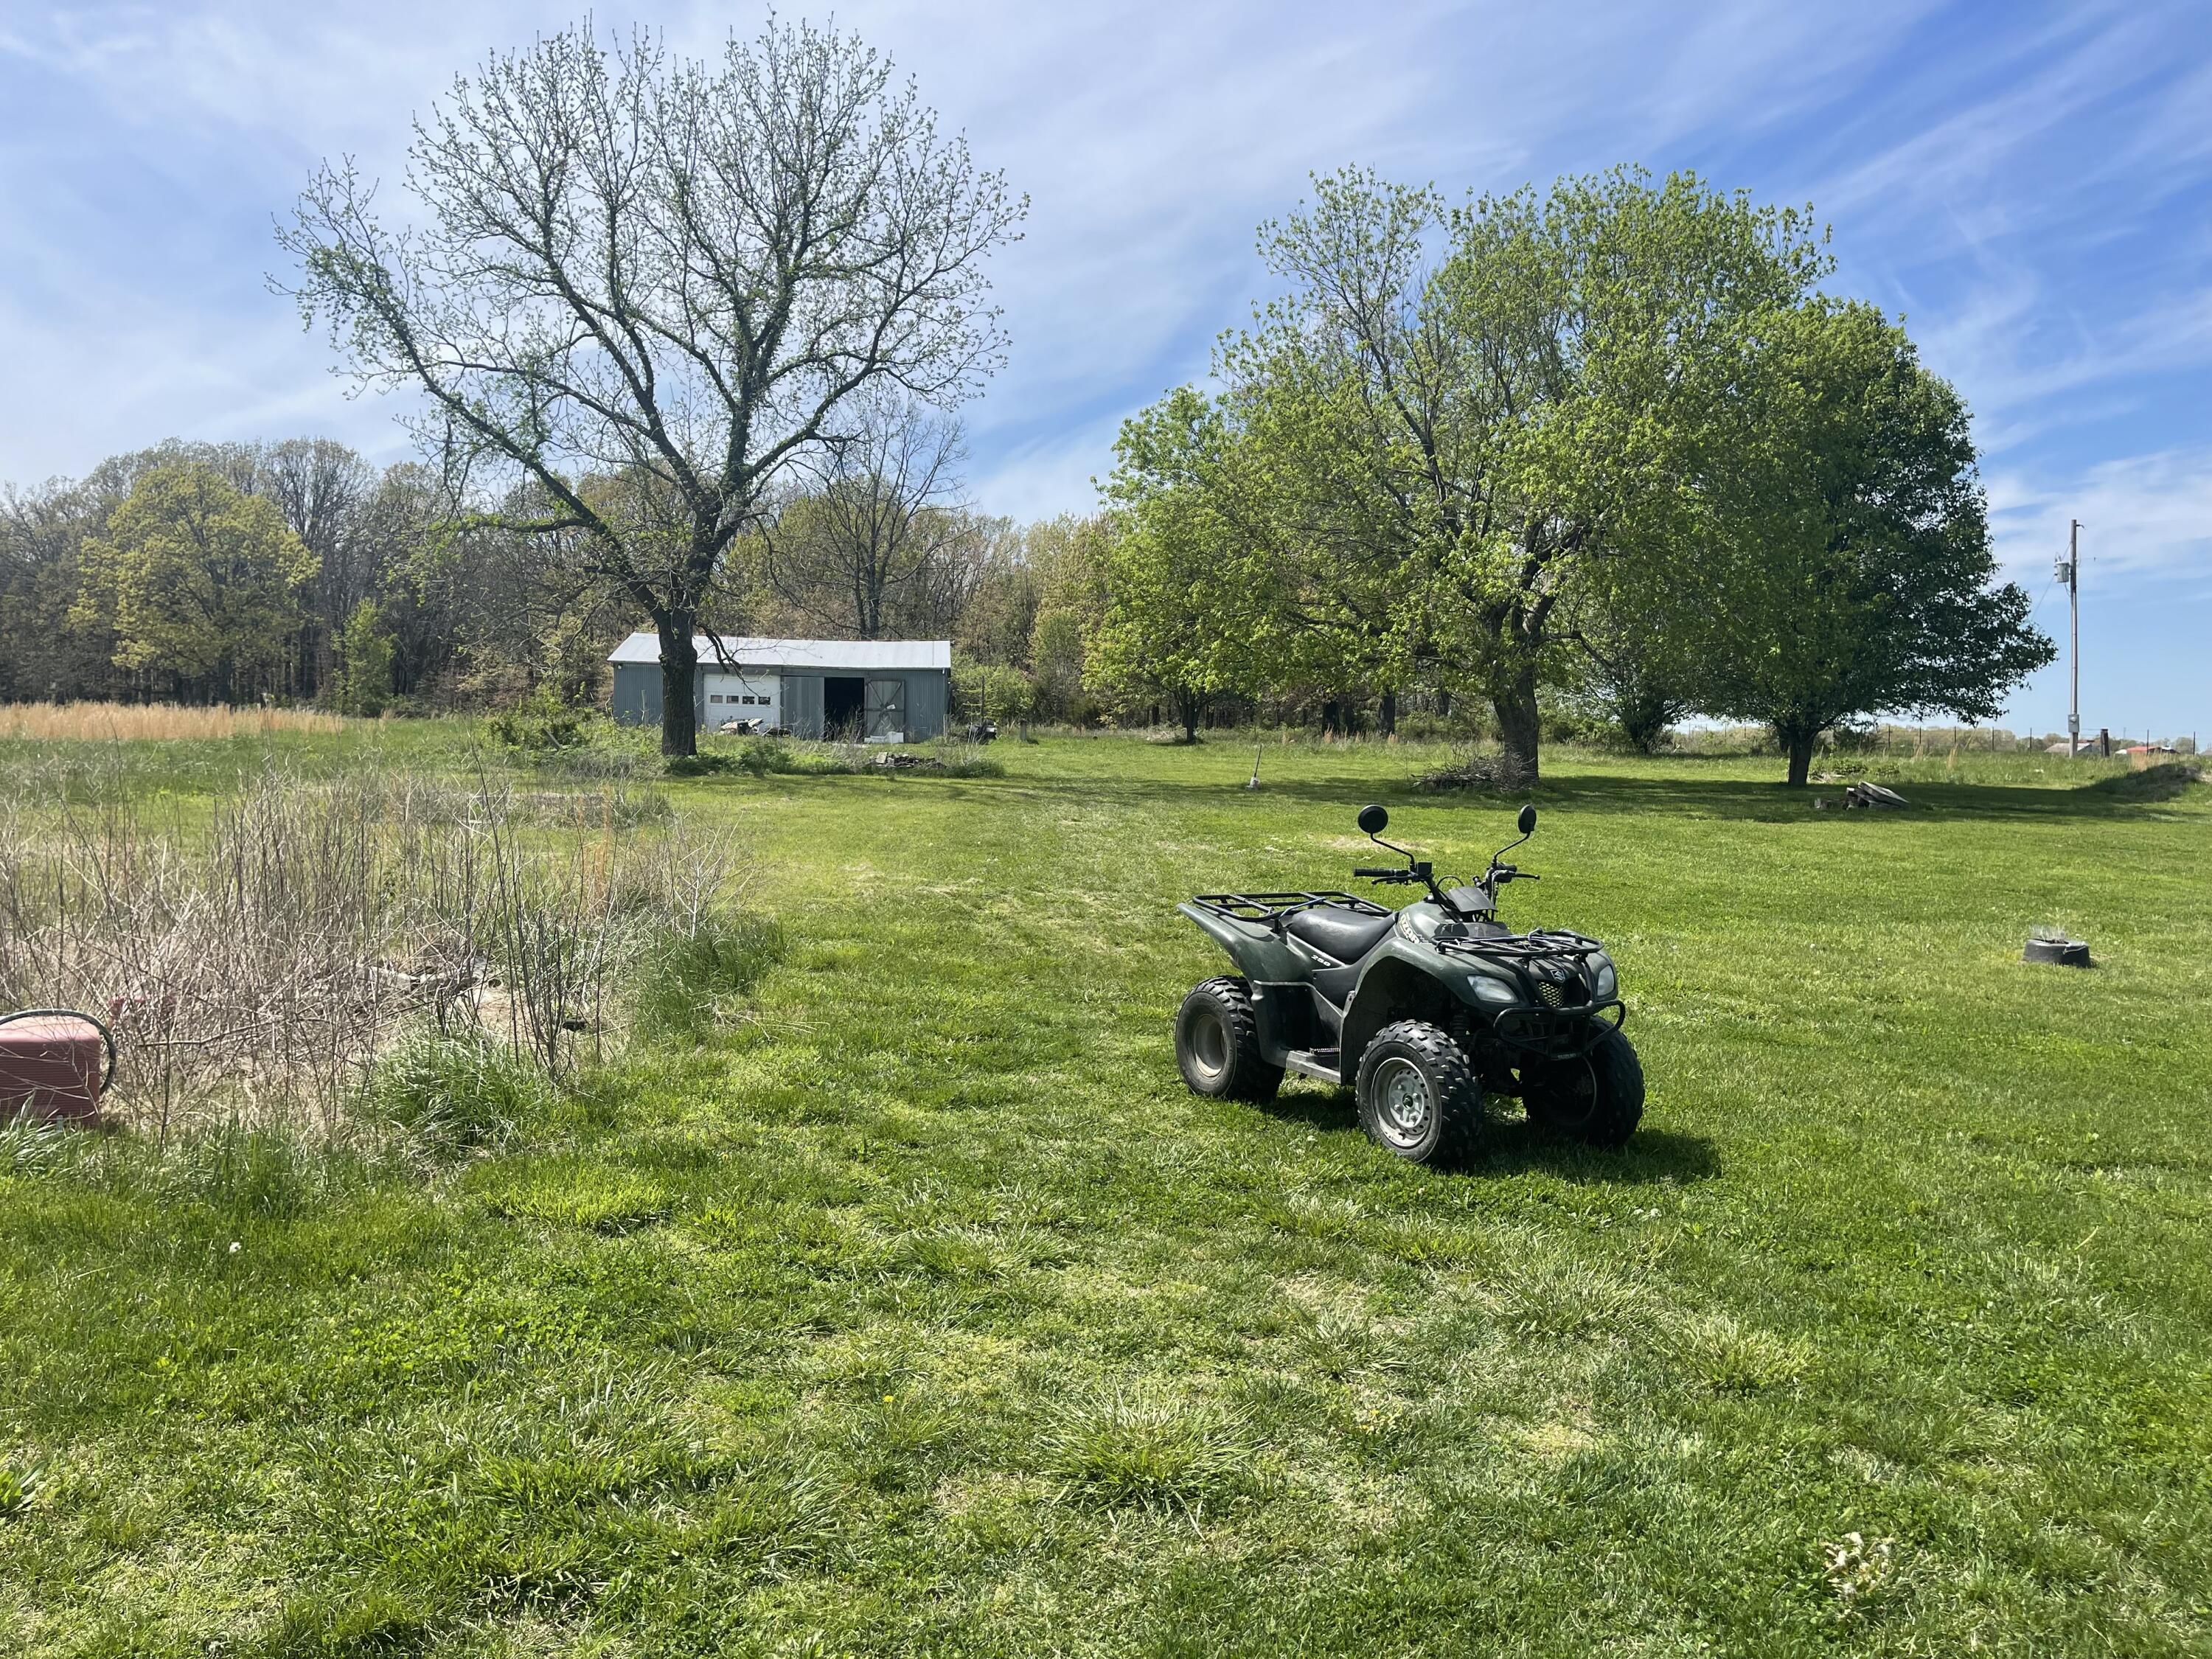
column 52, row 1066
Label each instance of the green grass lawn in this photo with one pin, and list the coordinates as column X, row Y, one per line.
column 924, row 1312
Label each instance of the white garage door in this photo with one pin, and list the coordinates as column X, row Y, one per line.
column 742, row 696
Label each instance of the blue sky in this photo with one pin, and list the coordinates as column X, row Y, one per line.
column 2030, row 186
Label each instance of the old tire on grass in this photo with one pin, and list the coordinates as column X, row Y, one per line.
column 1597, row 1099
column 1218, row 1043
column 1417, row 1096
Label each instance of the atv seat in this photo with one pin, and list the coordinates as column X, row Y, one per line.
column 1343, row 935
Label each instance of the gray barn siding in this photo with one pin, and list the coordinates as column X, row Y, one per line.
column 925, row 703
column 802, row 705
column 637, row 693
column 636, row 699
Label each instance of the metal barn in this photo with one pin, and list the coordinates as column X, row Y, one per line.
column 881, row 690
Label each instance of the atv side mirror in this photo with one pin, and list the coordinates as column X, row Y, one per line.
column 1373, row 820
column 1527, row 821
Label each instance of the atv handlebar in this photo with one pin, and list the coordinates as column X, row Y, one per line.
column 1372, row 874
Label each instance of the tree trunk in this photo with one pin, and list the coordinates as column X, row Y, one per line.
column 1797, row 739
column 1520, row 730
column 1388, row 714
column 1189, row 709
column 679, row 686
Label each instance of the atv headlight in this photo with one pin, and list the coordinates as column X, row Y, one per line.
column 1489, row 988
column 1604, row 981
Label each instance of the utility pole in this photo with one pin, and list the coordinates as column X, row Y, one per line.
column 2070, row 572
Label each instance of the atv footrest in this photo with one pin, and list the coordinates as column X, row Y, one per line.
column 1322, row 1063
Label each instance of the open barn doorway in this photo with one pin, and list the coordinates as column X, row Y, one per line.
column 843, row 697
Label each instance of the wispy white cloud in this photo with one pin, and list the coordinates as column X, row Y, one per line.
column 148, row 147
column 2140, row 515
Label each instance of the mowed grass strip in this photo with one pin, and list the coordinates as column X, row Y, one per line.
column 923, row 1311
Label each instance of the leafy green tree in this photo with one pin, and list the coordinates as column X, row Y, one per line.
column 1455, row 409
column 365, row 655
column 1179, row 622
column 992, row 691
column 198, row 580
column 675, row 273
column 1843, row 566
column 1631, row 671
column 1056, row 660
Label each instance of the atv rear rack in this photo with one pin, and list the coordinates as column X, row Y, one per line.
column 1272, row 907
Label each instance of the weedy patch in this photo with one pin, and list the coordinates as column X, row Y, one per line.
column 22, row 1477
column 29, row 1145
column 688, row 975
column 1858, row 1569
column 590, row 1198
column 1162, row 1457
column 1548, row 1293
column 1732, row 1358
column 2166, row 780
column 450, row 1093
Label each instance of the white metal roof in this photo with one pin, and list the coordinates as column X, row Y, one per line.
column 853, row 655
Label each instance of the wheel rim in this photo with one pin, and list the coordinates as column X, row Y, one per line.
column 1570, row 1094
column 1209, row 1043
column 1403, row 1103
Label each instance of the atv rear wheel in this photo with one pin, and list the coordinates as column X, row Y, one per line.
column 1218, row 1043
column 1597, row 1099
column 1417, row 1096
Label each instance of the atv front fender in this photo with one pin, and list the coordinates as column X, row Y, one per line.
column 1400, row 979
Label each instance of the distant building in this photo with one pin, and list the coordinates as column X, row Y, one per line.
column 879, row 691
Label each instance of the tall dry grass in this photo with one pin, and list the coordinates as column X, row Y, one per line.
column 255, row 963
column 135, row 721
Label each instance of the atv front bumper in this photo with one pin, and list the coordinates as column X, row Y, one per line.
column 1559, row 1033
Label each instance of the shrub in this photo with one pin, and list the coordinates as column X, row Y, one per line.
column 542, row 721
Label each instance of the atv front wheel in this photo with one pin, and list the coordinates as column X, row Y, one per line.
column 1419, row 1097
column 1218, row 1043
column 1597, row 1099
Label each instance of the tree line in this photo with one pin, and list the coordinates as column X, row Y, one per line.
column 687, row 340
column 295, row 571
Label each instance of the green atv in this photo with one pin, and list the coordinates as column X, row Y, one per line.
column 1429, row 1012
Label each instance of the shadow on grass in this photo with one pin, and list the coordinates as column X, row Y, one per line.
column 1515, row 1146
column 1651, row 1155
column 1706, row 798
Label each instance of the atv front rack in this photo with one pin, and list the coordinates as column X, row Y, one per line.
column 1553, row 942
column 1272, row 907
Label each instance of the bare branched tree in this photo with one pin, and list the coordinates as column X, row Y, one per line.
column 650, row 286
column 877, row 526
